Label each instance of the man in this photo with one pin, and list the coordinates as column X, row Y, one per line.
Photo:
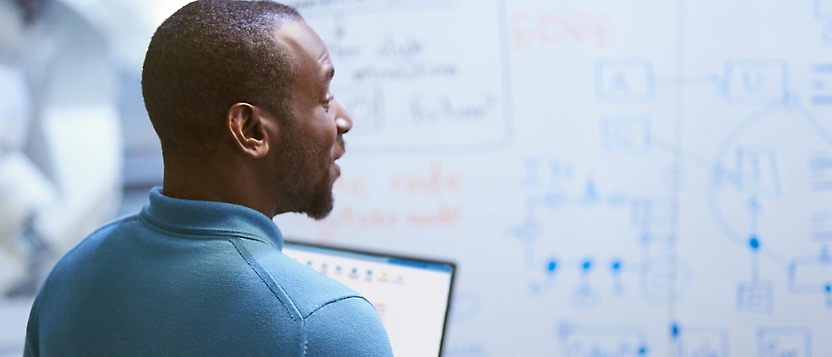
column 238, row 93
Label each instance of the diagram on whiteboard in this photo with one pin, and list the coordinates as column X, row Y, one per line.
column 758, row 180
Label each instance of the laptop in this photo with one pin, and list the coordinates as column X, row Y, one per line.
column 412, row 296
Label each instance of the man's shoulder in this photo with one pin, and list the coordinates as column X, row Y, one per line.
column 98, row 237
column 80, row 261
column 337, row 320
column 347, row 327
column 307, row 289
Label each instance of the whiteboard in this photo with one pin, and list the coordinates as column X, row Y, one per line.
column 639, row 178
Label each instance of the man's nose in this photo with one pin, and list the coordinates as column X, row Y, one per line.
column 343, row 121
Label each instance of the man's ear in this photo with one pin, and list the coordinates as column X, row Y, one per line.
column 250, row 129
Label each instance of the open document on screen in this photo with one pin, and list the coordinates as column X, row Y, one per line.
column 410, row 295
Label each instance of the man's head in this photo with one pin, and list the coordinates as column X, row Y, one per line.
column 244, row 86
column 206, row 57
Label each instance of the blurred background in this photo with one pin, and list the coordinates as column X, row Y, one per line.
column 75, row 142
column 639, row 178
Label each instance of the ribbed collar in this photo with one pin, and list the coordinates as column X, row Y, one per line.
column 209, row 218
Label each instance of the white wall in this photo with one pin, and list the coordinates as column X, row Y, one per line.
column 613, row 178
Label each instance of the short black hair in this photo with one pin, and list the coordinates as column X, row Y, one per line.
column 207, row 56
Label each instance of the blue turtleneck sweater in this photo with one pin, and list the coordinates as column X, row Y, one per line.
column 194, row 278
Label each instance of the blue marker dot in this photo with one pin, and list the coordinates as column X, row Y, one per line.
column 642, row 351
column 587, row 265
column 829, row 288
column 754, row 243
column 552, row 266
column 616, row 265
column 565, row 329
column 674, row 331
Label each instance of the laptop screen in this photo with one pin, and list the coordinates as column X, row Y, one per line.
column 410, row 295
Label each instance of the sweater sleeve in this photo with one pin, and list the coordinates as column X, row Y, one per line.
column 346, row 327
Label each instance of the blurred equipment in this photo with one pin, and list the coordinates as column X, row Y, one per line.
column 60, row 139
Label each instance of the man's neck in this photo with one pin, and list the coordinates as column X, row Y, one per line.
column 217, row 181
